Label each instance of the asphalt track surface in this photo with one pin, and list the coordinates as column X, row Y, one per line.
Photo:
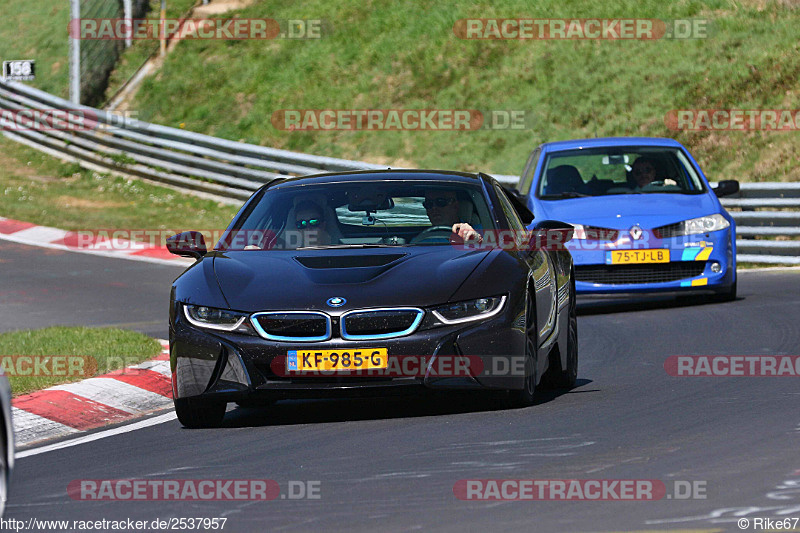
column 392, row 464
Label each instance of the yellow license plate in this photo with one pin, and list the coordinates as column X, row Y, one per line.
column 327, row 360
column 621, row 257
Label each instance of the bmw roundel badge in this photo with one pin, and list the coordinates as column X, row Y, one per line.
column 336, row 301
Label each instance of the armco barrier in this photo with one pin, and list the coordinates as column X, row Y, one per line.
column 767, row 214
column 180, row 158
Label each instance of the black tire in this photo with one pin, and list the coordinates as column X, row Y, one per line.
column 565, row 378
column 526, row 396
column 5, row 474
column 194, row 413
column 726, row 296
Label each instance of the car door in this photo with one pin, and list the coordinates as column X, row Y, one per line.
column 542, row 269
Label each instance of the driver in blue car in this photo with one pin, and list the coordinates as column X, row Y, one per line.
column 442, row 208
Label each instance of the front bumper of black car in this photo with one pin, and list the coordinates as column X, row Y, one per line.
column 233, row 366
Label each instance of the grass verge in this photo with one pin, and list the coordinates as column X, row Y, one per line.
column 404, row 55
column 66, row 354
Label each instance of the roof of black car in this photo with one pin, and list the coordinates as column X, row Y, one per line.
column 371, row 175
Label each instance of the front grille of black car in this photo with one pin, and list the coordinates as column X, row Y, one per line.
column 650, row 273
column 380, row 323
column 293, row 326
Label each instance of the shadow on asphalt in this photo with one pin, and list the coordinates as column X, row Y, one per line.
column 597, row 305
column 292, row 412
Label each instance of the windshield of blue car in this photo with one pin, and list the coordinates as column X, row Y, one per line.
column 359, row 214
column 610, row 171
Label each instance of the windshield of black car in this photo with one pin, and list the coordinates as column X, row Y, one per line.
column 358, row 214
column 609, row 171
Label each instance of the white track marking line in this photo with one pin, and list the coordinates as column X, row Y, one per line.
column 156, row 420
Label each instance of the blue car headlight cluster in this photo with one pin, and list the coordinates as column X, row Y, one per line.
column 470, row 310
column 218, row 319
column 705, row 224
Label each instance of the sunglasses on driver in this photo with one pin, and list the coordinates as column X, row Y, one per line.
column 437, row 202
column 309, row 223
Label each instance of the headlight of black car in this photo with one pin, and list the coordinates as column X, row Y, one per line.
column 470, row 310
column 218, row 319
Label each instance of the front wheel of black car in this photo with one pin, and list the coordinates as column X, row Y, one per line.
column 526, row 396
column 565, row 378
column 4, row 474
column 194, row 413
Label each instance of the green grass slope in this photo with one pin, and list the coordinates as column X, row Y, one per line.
column 403, row 54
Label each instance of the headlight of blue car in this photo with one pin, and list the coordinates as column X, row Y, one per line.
column 705, row 224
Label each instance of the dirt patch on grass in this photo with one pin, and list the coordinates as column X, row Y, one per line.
column 85, row 203
column 221, row 6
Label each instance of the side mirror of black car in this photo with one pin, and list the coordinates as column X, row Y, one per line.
column 518, row 200
column 726, row 188
column 187, row 244
column 551, row 235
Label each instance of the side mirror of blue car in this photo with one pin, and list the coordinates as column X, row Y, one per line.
column 726, row 188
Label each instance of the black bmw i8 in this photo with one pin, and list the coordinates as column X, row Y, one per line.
column 372, row 283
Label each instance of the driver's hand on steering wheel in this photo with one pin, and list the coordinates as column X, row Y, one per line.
column 467, row 232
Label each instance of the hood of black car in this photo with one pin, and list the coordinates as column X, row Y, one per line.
column 370, row 277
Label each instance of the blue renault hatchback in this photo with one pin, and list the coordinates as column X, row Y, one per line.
column 646, row 218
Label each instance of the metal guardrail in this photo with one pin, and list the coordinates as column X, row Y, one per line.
column 231, row 170
column 764, row 234
column 187, row 160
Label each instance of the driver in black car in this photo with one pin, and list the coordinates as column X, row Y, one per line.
column 442, row 208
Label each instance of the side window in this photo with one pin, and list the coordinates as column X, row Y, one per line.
column 526, row 181
column 511, row 214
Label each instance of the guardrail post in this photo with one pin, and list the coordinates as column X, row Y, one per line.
column 127, row 13
column 163, row 32
column 75, row 54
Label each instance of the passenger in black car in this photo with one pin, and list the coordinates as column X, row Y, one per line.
column 311, row 224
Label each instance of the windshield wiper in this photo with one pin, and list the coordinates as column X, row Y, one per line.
column 567, row 194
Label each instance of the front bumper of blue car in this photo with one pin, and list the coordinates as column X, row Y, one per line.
column 704, row 262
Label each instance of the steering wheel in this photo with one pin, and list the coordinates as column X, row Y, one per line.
column 429, row 234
